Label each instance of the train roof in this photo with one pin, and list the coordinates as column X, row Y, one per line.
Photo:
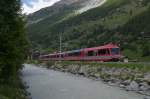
column 103, row 47
column 87, row 49
column 74, row 51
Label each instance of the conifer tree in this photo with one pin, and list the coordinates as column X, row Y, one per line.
column 13, row 42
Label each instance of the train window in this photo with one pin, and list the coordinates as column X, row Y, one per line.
column 74, row 54
column 103, row 51
column 115, row 51
column 90, row 53
column 57, row 56
column 62, row 56
column 70, row 54
column 47, row 56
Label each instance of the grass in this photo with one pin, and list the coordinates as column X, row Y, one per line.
column 142, row 67
column 12, row 89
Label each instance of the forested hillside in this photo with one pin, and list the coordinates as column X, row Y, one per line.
column 125, row 22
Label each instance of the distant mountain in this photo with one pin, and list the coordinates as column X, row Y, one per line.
column 87, row 23
column 78, row 6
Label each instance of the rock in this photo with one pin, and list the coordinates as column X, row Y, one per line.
column 147, row 77
column 134, row 86
column 111, row 83
column 126, row 82
column 144, row 86
column 122, row 86
column 83, row 70
column 97, row 75
column 147, row 97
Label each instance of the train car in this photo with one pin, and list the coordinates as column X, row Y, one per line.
column 109, row 52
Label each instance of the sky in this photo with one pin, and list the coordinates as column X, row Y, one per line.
column 30, row 6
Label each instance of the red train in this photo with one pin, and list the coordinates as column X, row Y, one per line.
column 109, row 52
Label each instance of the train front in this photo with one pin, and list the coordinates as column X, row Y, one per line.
column 115, row 53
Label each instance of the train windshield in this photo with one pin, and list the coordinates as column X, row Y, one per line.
column 115, row 51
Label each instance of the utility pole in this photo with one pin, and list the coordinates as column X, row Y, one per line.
column 60, row 47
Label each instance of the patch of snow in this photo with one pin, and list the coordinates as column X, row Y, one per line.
column 90, row 4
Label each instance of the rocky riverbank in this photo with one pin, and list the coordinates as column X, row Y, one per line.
column 131, row 78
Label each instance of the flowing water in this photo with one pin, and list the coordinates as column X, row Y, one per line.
column 49, row 84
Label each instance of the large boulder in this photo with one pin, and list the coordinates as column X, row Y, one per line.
column 134, row 86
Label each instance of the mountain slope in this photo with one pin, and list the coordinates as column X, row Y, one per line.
column 78, row 6
column 120, row 21
column 39, row 23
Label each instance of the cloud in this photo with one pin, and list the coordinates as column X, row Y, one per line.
column 29, row 2
column 30, row 6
